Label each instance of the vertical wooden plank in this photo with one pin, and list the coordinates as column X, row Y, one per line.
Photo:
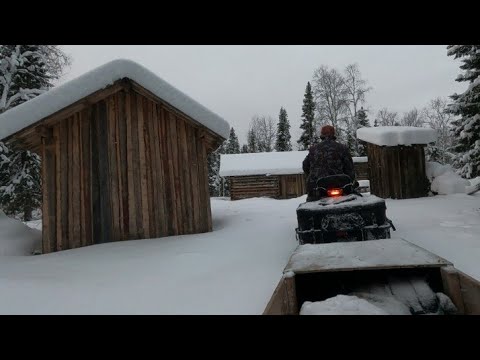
column 176, row 171
column 452, row 288
column 112, row 146
column 291, row 305
column 143, row 167
column 470, row 289
column 46, row 246
column 75, row 183
column 86, row 171
column 173, row 168
column 186, row 186
column 48, row 194
column 170, row 213
column 157, row 173
column 71, row 231
column 194, row 178
column 62, row 239
column 123, row 163
column 150, row 168
column 83, row 241
column 132, row 213
column 137, row 178
column 95, row 184
column 119, row 164
column 103, row 173
column 58, row 171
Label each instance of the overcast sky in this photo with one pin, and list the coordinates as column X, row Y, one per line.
column 238, row 82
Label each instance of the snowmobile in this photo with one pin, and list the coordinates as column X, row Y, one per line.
column 337, row 212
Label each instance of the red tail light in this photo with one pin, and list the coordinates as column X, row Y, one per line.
column 334, row 192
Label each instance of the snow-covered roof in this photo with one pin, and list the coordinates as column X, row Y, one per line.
column 396, row 135
column 266, row 163
column 66, row 94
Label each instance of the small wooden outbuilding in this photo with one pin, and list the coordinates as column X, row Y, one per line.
column 274, row 174
column 396, row 160
column 124, row 156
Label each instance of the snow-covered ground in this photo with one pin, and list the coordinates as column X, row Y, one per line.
column 233, row 270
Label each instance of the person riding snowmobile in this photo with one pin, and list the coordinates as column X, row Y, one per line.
column 325, row 159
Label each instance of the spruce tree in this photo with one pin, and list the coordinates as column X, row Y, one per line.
column 466, row 129
column 252, row 142
column 26, row 71
column 362, row 122
column 23, row 192
column 214, row 178
column 307, row 138
column 233, row 146
column 362, row 118
column 283, row 132
column 244, row 149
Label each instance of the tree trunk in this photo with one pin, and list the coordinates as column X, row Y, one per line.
column 27, row 214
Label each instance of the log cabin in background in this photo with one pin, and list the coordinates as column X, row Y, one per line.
column 124, row 156
column 274, row 174
column 396, row 159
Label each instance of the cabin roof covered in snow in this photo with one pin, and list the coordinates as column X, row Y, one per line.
column 72, row 91
column 385, row 253
column 266, row 163
column 396, row 135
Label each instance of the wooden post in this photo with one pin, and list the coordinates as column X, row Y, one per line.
column 49, row 227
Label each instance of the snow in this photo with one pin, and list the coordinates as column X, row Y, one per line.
column 16, row 238
column 444, row 180
column 385, row 302
column 364, row 183
column 435, row 169
column 396, row 135
column 360, row 159
column 474, row 182
column 449, row 183
column 232, row 270
column 341, row 305
column 386, row 253
column 66, row 94
column 270, row 163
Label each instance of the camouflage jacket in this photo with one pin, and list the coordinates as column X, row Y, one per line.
column 327, row 158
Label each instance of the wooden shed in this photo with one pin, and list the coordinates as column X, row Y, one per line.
column 124, row 156
column 396, row 160
column 274, row 174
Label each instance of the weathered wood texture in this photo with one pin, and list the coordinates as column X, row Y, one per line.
column 125, row 167
column 243, row 187
column 292, row 186
column 278, row 186
column 463, row 290
column 397, row 172
column 284, row 299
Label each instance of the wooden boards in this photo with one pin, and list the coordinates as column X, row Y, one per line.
column 125, row 167
column 397, row 172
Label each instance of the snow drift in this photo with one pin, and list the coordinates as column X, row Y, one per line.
column 16, row 238
column 444, row 180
